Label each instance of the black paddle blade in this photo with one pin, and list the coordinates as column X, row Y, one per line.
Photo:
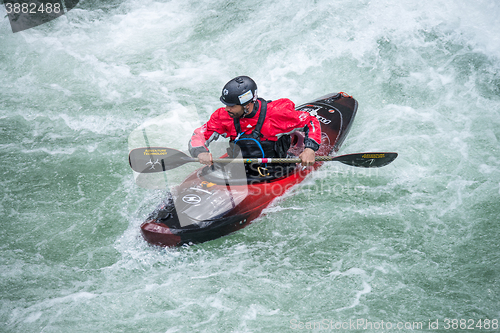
column 156, row 159
column 367, row 160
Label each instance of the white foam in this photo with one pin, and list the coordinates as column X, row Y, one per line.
column 425, row 75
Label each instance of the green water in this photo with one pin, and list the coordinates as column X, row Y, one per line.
column 413, row 243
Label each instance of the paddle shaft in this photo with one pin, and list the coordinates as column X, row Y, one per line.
column 267, row 160
column 158, row 159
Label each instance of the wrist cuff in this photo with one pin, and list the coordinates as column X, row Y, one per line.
column 197, row 151
column 310, row 143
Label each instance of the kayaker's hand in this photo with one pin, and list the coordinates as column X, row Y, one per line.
column 205, row 158
column 307, row 157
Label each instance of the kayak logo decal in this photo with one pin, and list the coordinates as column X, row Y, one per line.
column 192, row 199
column 323, row 119
column 207, row 184
column 313, row 111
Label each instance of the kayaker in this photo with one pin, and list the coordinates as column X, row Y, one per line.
column 257, row 127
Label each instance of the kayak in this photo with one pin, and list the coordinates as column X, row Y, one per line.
column 213, row 202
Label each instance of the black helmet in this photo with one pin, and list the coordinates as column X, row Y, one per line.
column 239, row 91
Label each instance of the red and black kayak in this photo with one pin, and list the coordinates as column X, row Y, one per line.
column 209, row 204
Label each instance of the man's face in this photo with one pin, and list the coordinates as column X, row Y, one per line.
column 235, row 111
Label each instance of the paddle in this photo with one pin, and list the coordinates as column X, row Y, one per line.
column 158, row 159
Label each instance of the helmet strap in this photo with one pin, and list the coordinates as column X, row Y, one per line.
column 246, row 110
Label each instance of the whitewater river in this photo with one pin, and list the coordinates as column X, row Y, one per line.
column 410, row 247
